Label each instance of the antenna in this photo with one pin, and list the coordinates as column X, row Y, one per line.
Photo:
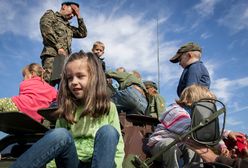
column 158, row 57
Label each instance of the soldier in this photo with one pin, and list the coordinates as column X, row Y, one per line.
column 57, row 34
column 156, row 101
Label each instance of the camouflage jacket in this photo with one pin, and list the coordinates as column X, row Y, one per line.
column 58, row 33
column 156, row 105
column 125, row 79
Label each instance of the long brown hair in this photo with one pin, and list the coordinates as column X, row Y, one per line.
column 96, row 100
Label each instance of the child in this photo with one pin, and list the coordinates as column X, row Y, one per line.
column 34, row 93
column 98, row 49
column 194, row 71
column 176, row 121
column 90, row 131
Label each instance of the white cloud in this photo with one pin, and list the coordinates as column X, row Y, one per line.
column 237, row 107
column 232, row 122
column 237, row 17
column 22, row 18
column 132, row 43
column 211, row 66
column 205, row 35
column 225, row 88
column 129, row 42
column 206, row 7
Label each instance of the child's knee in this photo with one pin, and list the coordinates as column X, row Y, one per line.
column 108, row 131
column 61, row 135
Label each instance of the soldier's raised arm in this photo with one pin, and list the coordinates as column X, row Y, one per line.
column 81, row 31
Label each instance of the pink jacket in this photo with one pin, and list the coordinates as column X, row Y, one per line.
column 33, row 95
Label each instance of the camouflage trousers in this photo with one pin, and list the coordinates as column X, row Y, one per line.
column 7, row 105
column 47, row 64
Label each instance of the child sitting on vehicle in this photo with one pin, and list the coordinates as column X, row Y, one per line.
column 87, row 132
column 34, row 93
column 175, row 121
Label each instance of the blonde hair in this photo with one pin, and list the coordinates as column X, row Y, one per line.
column 98, row 43
column 121, row 69
column 193, row 94
column 34, row 69
column 137, row 74
column 196, row 54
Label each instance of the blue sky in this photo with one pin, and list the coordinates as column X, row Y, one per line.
column 129, row 30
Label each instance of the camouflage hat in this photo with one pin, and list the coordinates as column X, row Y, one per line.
column 70, row 3
column 150, row 84
column 185, row 48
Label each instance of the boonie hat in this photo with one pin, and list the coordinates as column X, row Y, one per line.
column 70, row 3
column 183, row 49
column 150, row 83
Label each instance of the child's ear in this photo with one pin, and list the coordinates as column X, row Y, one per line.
column 27, row 76
column 33, row 74
column 63, row 6
column 190, row 54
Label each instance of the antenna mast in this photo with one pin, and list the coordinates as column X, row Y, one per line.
column 158, row 57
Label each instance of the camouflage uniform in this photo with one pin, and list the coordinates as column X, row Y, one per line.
column 131, row 96
column 125, row 79
column 156, row 103
column 57, row 33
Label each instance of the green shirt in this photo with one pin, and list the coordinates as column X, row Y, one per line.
column 85, row 129
column 125, row 79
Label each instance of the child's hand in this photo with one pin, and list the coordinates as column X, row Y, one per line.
column 225, row 152
column 76, row 10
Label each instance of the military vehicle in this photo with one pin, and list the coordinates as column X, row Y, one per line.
column 206, row 129
column 23, row 131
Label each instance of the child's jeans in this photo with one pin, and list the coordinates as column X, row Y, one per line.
column 59, row 144
column 130, row 101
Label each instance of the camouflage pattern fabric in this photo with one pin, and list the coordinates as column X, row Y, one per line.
column 7, row 105
column 125, row 79
column 57, row 33
column 156, row 105
column 47, row 64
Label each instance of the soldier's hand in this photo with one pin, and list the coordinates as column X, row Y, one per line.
column 61, row 51
column 76, row 10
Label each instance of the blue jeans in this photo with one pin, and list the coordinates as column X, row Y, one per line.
column 130, row 101
column 59, row 144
